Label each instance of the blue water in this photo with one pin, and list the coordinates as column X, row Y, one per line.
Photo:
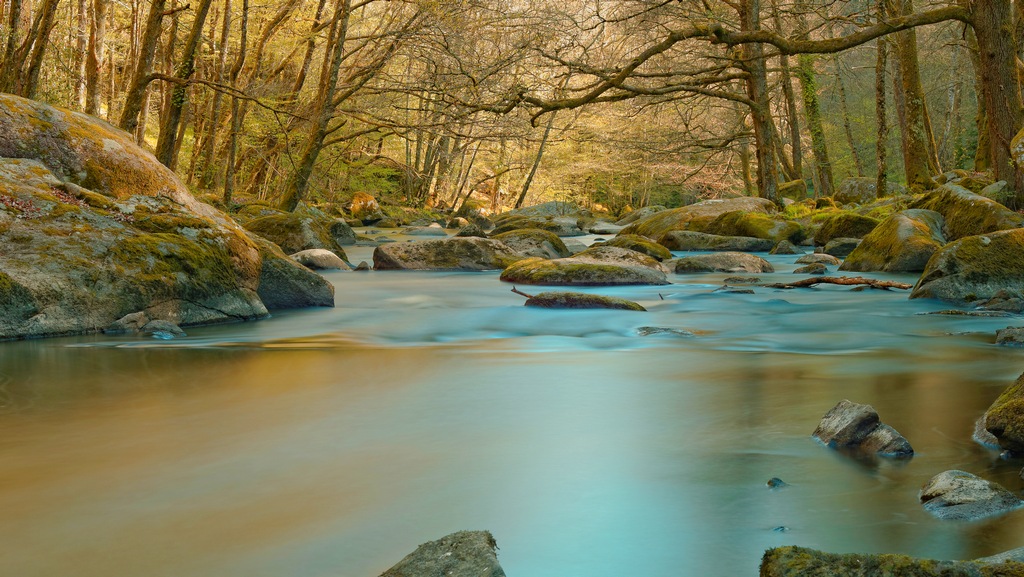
column 333, row 441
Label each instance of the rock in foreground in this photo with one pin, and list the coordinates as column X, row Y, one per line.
column 572, row 300
column 721, row 262
column 802, row 562
column 857, row 427
column 656, row 225
column 975, row 268
column 1005, row 418
column 961, row 496
column 968, row 214
column 455, row 253
column 902, row 243
column 462, row 554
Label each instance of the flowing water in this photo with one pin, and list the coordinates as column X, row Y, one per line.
column 331, row 442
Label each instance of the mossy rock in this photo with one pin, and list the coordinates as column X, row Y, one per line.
column 640, row 244
column 902, row 243
column 572, row 300
column 534, row 242
column 657, row 225
column 756, row 225
column 17, row 304
column 285, row 284
column 844, row 225
column 250, row 212
column 975, row 268
column 802, row 562
column 561, row 226
column 735, row 262
column 794, row 190
column 688, row 240
column 1005, row 418
column 596, row 266
column 966, row 213
column 296, row 232
column 639, row 214
column 454, row 253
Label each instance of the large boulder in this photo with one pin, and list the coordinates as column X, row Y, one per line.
column 286, row 284
column 844, row 225
column 688, row 240
column 454, row 253
column 968, row 214
column 802, row 562
column 856, row 427
column 561, row 226
column 754, row 224
column 862, row 190
column 600, row 265
column 534, row 242
column 1005, row 418
column 550, row 208
column 640, row 244
column 572, row 300
column 462, row 554
column 975, row 268
column 958, row 495
column 656, row 225
column 720, row 262
column 96, row 229
column 904, row 242
column 295, row 232
column 639, row 214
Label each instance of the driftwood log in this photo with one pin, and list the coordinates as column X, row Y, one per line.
column 842, row 280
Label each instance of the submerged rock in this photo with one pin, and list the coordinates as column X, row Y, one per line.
column 455, row 253
column 720, row 262
column 1010, row 336
column 802, row 562
column 857, row 427
column 599, row 265
column 571, row 300
column 902, row 243
column 534, row 242
column 813, row 268
column 961, row 496
column 975, row 268
column 688, row 240
column 462, row 554
column 786, row 247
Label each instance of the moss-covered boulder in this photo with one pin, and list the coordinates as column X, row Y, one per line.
column 561, row 226
column 534, row 242
column 844, row 225
column 640, row 244
column 975, row 268
column 286, row 284
column 720, row 262
column 572, row 300
column 786, row 247
column 129, row 236
column 802, row 562
column 961, row 496
column 966, row 213
column 365, row 208
column 903, row 242
column 454, row 253
column 754, row 224
column 841, row 247
column 639, row 214
column 296, row 232
column 462, row 554
column 860, row 190
column 655, row 226
column 596, row 266
column 688, row 240
column 1005, row 418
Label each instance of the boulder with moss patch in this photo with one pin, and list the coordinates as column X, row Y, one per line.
column 365, row 208
column 655, row 226
column 561, row 226
column 462, row 554
column 975, row 268
column 596, row 266
column 296, row 232
column 903, row 242
column 454, row 253
column 639, row 214
column 1005, row 418
column 688, row 240
column 640, row 244
column 131, row 237
column 572, row 300
column 844, row 225
column 534, row 242
column 968, row 214
column 720, row 262
column 802, row 562
column 753, row 224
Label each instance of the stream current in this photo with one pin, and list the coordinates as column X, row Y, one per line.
column 331, row 442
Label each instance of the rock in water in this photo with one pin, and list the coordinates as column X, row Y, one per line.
column 596, row 266
column 844, row 225
column 571, row 300
column 968, row 214
column 318, row 258
column 455, row 253
column 857, row 427
column 462, row 554
column 823, row 258
column 1005, row 418
column 656, row 225
column 720, row 262
column 975, row 268
column 688, row 240
column 958, row 495
column 802, row 562
column 640, row 244
column 534, row 242
column 902, row 243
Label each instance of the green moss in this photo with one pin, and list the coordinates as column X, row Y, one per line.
column 756, row 225
column 173, row 266
column 149, row 222
column 844, row 225
column 16, row 301
column 640, row 244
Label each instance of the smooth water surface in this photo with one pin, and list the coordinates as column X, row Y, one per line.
column 331, row 442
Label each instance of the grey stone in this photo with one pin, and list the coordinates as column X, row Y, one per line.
column 688, row 240
column 958, row 495
column 813, row 268
column 841, row 247
column 599, row 265
column 818, row 257
column 737, row 262
column 318, row 258
column 787, row 247
column 855, row 426
column 454, row 253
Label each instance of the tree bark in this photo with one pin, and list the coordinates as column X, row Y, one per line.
column 912, row 125
column 141, row 78
column 757, row 91
column 94, row 59
column 847, row 126
column 881, row 120
column 824, row 182
column 81, row 48
column 792, row 115
column 28, row 81
column 536, row 161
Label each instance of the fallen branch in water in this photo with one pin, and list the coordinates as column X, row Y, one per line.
column 842, row 280
column 521, row 293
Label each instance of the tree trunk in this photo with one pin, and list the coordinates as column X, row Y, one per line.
column 847, row 126
column 166, row 146
column 81, row 48
column 236, row 124
column 812, row 110
column 209, row 174
column 881, row 121
column 28, row 83
column 141, row 78
column 757, row 91
column 298, row 183
column 912, row 125
column 792, row 115
column 536, row 161
column 11, row 65
column 94, row 59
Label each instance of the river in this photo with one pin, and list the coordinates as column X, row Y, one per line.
column 331, row 442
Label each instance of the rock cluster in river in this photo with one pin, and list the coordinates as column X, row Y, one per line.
column 856, row 427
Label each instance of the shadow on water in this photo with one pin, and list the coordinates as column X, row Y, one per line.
column 332, row 442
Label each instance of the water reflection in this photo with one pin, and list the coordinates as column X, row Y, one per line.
column 333, row 442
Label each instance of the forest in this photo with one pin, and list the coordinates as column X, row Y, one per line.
column 612, row 104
